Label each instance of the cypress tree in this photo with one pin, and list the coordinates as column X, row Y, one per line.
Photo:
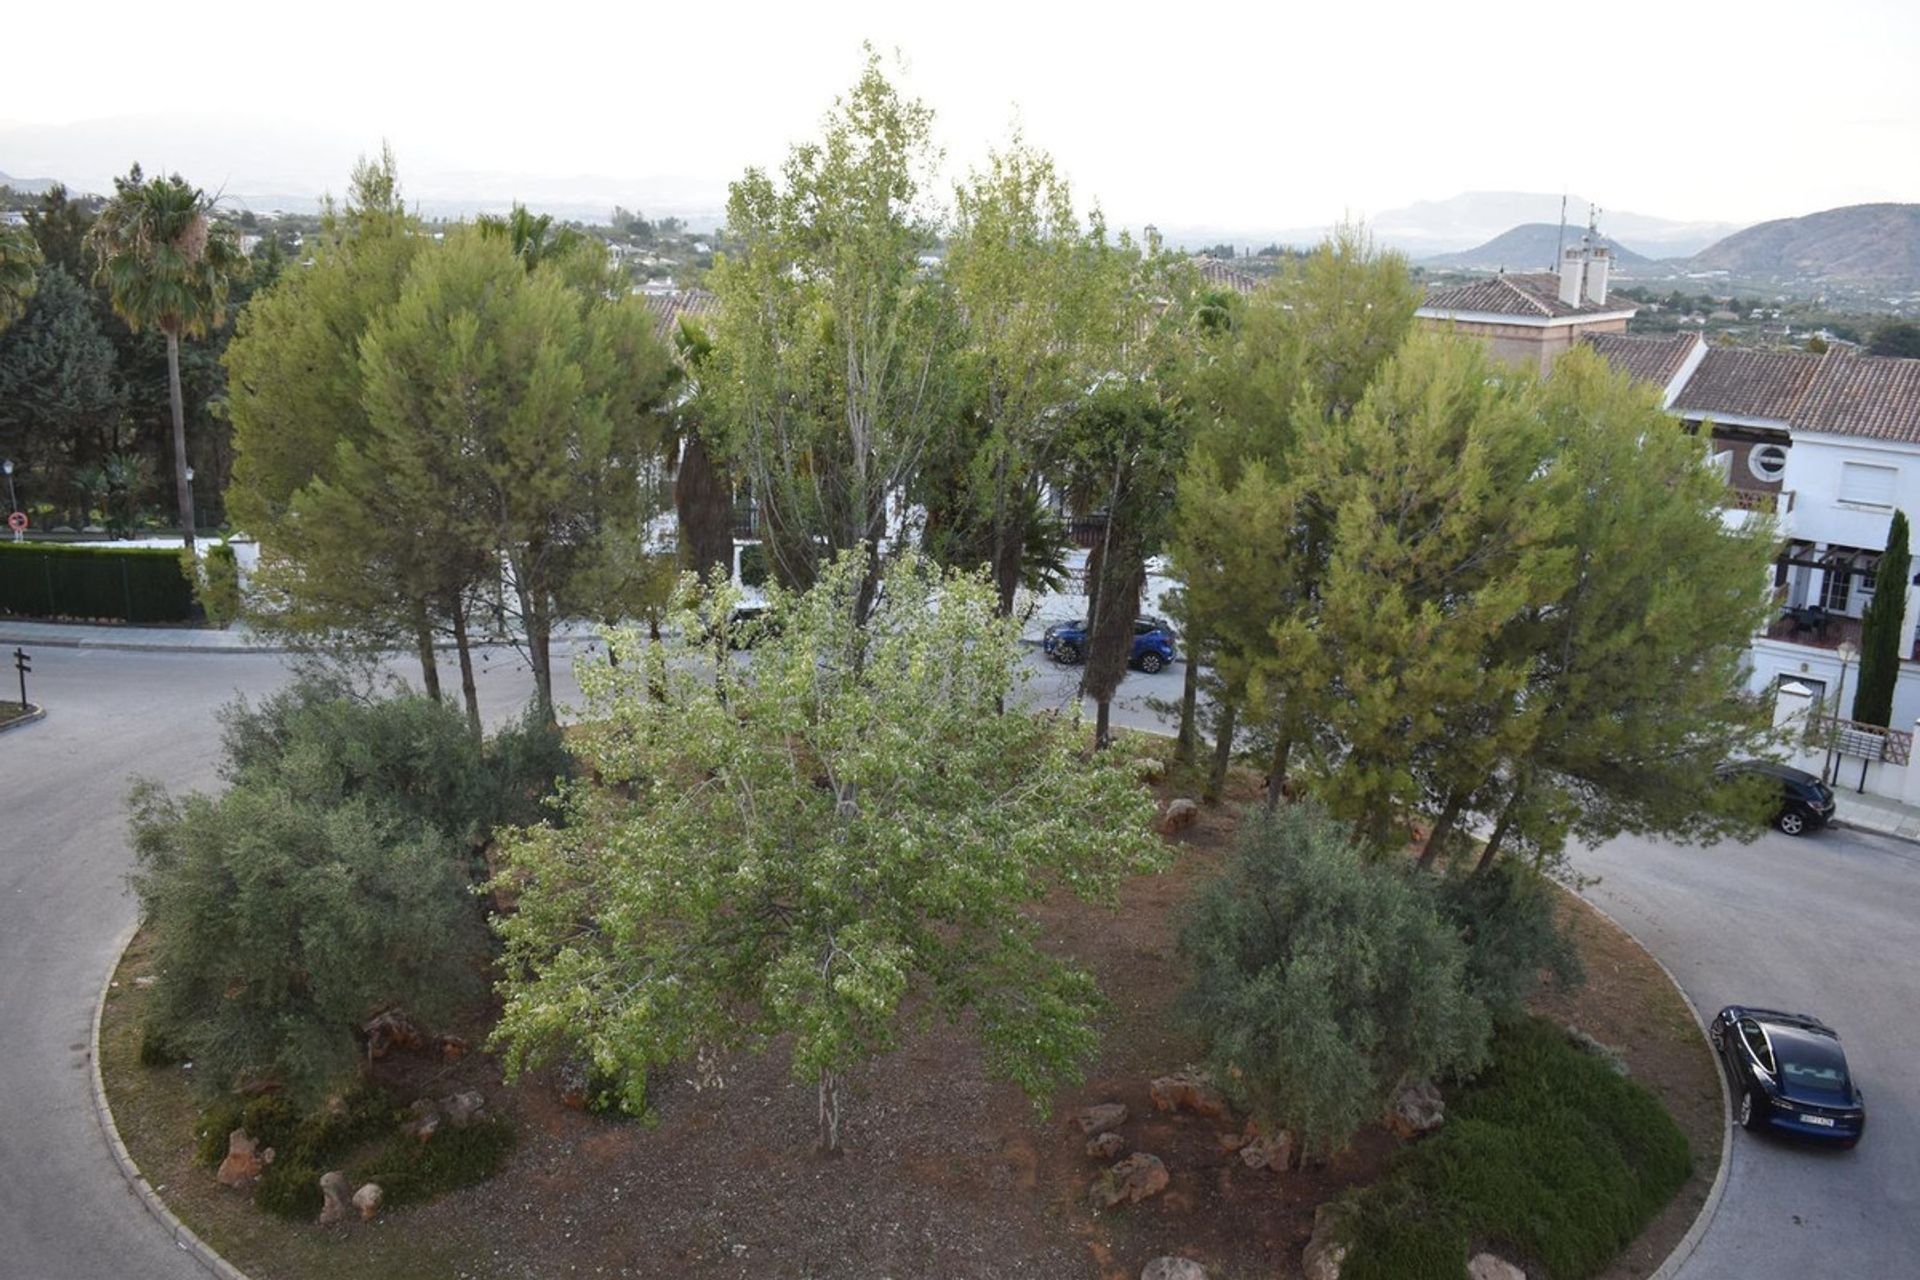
column 1880, row 638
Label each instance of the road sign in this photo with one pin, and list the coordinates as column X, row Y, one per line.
column 18, row 523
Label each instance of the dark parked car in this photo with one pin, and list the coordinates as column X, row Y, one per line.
column 1789, row 1073
column 1066, row 642
column 1806, row 803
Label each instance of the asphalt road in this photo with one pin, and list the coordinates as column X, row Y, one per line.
column 1828, row 924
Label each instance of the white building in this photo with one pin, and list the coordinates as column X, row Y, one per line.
column 1830, row 446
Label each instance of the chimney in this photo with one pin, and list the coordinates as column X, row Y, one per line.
column 1597, row 263
column 1572, row 272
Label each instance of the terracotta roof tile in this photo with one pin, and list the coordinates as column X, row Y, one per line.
column 1221, row 276
column 668, row 308
column 1644, row 358
column 1873, row 396
column 1533, row 294
column 1747, row 384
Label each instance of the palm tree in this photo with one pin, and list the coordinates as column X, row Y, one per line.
column 533, row 237
column 167, row 266
column 19, row 264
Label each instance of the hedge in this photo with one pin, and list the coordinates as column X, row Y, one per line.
column 117, row 584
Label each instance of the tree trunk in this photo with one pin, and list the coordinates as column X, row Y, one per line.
column 1442, row 827
column 182, row 487
column 467, row 689
column 1222, row 750
column 1102, row 727
column 1500, row 830
column 1277, row 775
column 423, row 638
column 537, row 626
column 703, row 501
column 829, row 1112
column 1187, row 744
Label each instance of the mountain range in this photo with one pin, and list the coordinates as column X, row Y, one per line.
column 1533, row 246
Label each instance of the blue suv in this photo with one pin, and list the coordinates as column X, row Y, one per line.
column 1066, row 643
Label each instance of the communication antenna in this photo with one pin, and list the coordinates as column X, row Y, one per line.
column 1560, row 243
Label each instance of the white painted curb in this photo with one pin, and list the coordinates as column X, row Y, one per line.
column 183, row 1237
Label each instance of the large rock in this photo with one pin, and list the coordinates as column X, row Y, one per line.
column 462, row 1108
column 367, row 1200
column 1416, row 1109
column 1180, row 815
column 1487, row 1266
column 1101, row 1117
column 425, row 1122
column 391, row 1030
column 1268, row 1151
column 1326, row 1252
column 1106, row 1146
column 338, row 1192
column 1173, row 1269
column 1134, row 1179
column 1185, row 1091
column 244, row 1160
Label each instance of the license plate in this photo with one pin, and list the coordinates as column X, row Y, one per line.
column 1826, row 1121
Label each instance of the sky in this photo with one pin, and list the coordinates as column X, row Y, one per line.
column 1255, row 116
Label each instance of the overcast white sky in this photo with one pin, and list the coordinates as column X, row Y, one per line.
column 1259, row 115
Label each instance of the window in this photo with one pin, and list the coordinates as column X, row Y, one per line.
column 1757, row 1043
column 1834, row 594
column 1868, row 484
column 1767, row 462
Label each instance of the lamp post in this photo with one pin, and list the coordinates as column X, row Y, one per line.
column 191, row 521
column 1847, row 653
column 13, row 503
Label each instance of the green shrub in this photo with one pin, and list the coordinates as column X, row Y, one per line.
column 1547, row 1155
column 412, row 1172
column 215, row 581
column 211, row 1131
column 93, row 582
column 1509, row 917
column 290, row 1188
column 156, row 1050
column 1323, row 979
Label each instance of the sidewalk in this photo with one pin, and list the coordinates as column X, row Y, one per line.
column 236, row 639
column 1876, row 813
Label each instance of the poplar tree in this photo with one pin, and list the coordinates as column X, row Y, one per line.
column 1882, row 643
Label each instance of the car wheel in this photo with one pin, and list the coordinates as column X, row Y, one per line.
column 1067, row 654
column 1750, row 1119
column 1792, row 822
column 1151, row 663
column 1717, row 1037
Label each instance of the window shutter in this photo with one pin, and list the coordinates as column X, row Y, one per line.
column 1868, row 484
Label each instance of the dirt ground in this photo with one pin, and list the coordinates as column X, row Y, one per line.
column 944, row 1175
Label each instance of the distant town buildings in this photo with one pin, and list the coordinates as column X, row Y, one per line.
column 1533, row 318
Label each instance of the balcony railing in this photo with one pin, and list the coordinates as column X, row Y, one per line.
column 1760, row 500
column 1856, row 738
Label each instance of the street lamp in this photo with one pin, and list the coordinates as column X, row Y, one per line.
column 191, row 521
column 13, row 503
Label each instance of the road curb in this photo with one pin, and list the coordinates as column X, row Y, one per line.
column 1704, row 1219
column 183, row 1237
column 34, row 716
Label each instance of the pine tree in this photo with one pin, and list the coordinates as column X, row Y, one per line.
column 1881, row 643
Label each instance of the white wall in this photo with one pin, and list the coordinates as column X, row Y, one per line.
column 1772, row 659
column 1813, row 474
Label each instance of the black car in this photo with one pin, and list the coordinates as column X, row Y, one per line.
column 1789, row 1073
column 1806, row 803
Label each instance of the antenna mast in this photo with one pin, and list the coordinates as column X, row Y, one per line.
column 1560, row 243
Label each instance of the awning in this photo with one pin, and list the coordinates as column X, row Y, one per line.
column 1855, row 561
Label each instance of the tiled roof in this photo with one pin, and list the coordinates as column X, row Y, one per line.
column 1533, row 294
column 1747, row 384
column 1873, row 396
column 1221, row 276
column 667, row 308
column 1645, row 358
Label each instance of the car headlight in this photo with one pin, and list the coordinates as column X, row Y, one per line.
column 1779, row 1104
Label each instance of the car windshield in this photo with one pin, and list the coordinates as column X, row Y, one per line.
column 1816, row 1075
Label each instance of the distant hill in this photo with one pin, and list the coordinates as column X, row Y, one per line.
column 1861, row 242
column 1532, row 247
column 1473, row 217
column 27, row 186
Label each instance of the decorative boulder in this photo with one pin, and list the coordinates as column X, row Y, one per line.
column 1101, row 1117
column 367, row 1200
column 1263, row 1151
column 1134, row 1179
column 425, row 1122
column 244, row 1160
column 337, row 1191
column 1326, row 1252
column 452, row 1048
column 1180, row 815
column 1106, row 1146
column 1185, row 1091
column 461, row 1108
column 1487, row 1266
column 1416, row 1109
column 391, row 1030
column 1173, row 1269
